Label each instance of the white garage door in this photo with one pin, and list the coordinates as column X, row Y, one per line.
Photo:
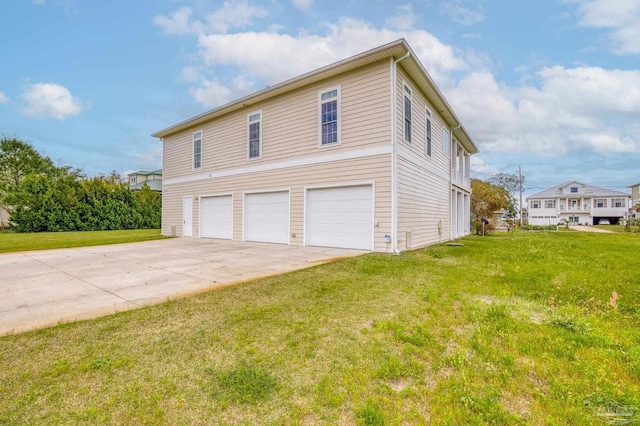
column 216, row 217
column 340, row 217
column 266, row 217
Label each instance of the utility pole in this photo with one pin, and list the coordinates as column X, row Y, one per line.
column 520, row 184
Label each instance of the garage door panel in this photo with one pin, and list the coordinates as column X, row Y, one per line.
column 216, row 217
column 340, row 217
column 266, row 217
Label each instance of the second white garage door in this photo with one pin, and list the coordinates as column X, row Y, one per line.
column 216, row 217
column 266, row 217
column 340, row 217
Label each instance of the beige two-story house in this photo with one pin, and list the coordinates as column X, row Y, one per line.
column 577, row 203
column 365, row 153
column 152, row 179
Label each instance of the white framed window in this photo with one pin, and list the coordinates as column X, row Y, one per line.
column 427, row 142
column 132, row 180
column 574, row 189
column 197, row 149
column 617, row 202
column 600, row 202
column 535, row 204
column 549, row 204
column 329, row 116
column 446, row 142
column 407, row 113
column 254, row 135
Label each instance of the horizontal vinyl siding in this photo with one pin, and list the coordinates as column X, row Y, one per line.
column 423, row 200
column 290, row 125
column 439, row 163
column 424, row 188
column 375, row 169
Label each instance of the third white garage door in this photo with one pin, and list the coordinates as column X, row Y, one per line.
column 266, row 217
column 340, row 217
column 216, row 217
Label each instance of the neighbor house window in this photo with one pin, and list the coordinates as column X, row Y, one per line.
column 427, row 143
column 535, row 204
column 132, row 180
column 600, row 202
column 574, row 219
column 618, row 202
column 407, row 113
column 574, row 189
column 446, row 142
column 254, row 122
column 549, row 204
column 330, row 116
column 197, row 149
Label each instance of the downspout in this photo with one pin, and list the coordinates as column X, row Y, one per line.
column 394, row 158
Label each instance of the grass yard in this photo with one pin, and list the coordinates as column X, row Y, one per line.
column 618, row 228
column 12, row 241
column 513, row 328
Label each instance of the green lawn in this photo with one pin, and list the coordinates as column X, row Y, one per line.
column 11, row 241
column 513, row 328
column 618, row 228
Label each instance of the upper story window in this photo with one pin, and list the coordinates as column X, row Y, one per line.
column 132, row 180
column 618, row 202
column 549, row 204
column 254, row 129
column 600, row 202
column 574, row 189
column 446, row 142
column 197, row 149
column 535, row 204
column 407, row 113
column 329, row 116
column 427, row 142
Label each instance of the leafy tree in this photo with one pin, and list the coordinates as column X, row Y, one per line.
column 19, row 159
column 511, row 183
column 486, row 198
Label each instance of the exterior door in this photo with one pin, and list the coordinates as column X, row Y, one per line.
column 187, row 216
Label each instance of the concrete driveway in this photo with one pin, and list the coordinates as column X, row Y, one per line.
column 42, row 288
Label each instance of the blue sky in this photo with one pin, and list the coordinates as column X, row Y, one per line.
column 551, row 85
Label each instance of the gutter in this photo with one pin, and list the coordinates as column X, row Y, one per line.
column 394, row 155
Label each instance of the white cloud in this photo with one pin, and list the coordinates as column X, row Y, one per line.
column 303, row 4
column 179, row 22
column 3, row 98
column 212, row 93
column 236, row 14
column 481, row 168
column 570, row 110
column 274, row 57
column 404, row 20
column 229, row 15
column 461, row 12
column 50, row 100
column 622, row 17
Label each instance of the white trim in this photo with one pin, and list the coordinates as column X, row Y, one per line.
column 266, row 191
column 193, row 149
column 297, row 162
column 428, row 141
column 405, row 86
column 338, row 112
column 249, row 123
column 447, row 154
column 347, row 184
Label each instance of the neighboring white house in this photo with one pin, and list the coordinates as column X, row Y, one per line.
column 365, row 153
column 577, row 203
column 138, row 179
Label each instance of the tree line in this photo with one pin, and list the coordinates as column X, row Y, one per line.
column 43, row 197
